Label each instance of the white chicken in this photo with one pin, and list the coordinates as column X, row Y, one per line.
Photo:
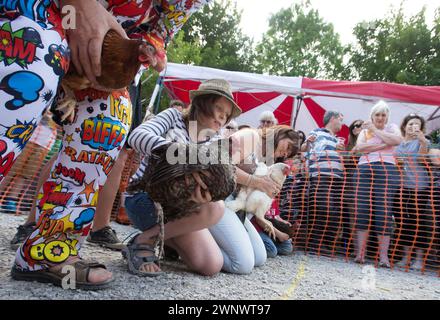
column 258, row 202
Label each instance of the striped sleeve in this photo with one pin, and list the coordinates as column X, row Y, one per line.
column 149, row 135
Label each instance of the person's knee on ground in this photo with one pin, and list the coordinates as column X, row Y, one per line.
column 285, row 248
column 208, row 267
column 271, row 249
column 206, row 259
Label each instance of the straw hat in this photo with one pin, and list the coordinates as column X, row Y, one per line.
column 219, row 87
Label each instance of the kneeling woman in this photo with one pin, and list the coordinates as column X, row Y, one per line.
column 241, row 245
column 212, row 106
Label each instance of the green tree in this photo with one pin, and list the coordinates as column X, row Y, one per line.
column 217, row 30
column 397, row 49
column 210, row 38
column 300, row 43
column 179, row 51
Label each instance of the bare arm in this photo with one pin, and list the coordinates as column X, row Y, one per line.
column 368, row 147
column 391, row 139
column 363, row 147
column 424, row 143
column 435, row 156
column 308, row 143
column 244, row 143
column 264, row 184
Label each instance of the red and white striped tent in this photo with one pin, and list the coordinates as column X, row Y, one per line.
column 307, row 99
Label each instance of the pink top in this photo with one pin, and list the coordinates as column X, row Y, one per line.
column 384, row 155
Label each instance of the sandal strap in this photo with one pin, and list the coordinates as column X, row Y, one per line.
column 82, row 270
column 141, row 247
column 136, row 260
column 83, row 267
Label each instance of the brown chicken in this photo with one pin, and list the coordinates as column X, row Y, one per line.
column 172, row 185
column 120, row 61
column 119, row 65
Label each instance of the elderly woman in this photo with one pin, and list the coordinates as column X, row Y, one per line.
column 267, row 119
column 377, row 181
column 415, row 224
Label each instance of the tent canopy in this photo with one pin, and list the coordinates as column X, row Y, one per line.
column 307, row 99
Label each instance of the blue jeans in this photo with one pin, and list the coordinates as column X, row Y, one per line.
column 273, row 248
column 141, row 210
column 377, row 183
column 240, row 244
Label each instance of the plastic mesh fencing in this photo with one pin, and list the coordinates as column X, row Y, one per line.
column 372, row 208
column 19, row 188
column 396, row 205
column 118, row 211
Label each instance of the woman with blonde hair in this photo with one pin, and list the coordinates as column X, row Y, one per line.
column 267, row 119
column 377, row 181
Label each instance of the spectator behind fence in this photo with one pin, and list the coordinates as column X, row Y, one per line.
column 230, row 128
column 267, row 119
column 354, row 129
column 377, row 181
column 326, row 177
column 351, row 159
column 414, row 220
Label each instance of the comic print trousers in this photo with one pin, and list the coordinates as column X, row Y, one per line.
column 67, row 200
column 32, row 62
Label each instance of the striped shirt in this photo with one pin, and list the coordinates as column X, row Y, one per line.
column 323, row 157
column 165, row 127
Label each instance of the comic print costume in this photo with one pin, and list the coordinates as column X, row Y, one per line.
column 34, row 56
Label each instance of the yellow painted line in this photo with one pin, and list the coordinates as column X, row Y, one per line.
column 383, row 289
column 301, row 272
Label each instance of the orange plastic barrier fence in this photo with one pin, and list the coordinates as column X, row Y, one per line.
column 372, row 209
column 369, row 210
column 19, row 188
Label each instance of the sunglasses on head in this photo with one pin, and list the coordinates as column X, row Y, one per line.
column 266, row 121
column 357, row 125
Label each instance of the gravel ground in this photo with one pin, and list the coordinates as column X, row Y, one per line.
column 301, row 277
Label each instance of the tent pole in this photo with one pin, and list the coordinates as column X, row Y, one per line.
column 298, row 106
column 149, row 110
column 292, row 116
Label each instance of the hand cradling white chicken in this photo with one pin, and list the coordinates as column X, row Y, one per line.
column 258, row 202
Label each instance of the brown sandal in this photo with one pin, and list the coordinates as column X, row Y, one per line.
column 82, row 270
